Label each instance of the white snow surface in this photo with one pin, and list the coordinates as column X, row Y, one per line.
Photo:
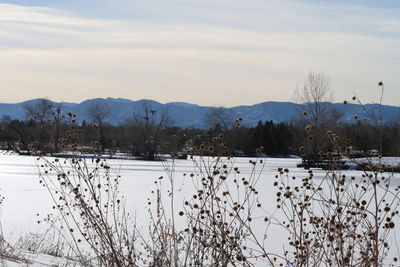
column 387, row 161
column 27, row 201
column 33, row 259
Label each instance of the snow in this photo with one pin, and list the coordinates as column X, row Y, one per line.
column 27, row 201
column 33, row 259
column 387, row 161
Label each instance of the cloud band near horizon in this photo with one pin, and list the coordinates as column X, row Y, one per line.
column 205, row 52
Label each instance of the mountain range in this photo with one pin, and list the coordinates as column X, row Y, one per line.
column 191, row 115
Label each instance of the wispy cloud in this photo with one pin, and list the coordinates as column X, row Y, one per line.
column 197, row 51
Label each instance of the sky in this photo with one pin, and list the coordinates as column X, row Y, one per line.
column 207, row 52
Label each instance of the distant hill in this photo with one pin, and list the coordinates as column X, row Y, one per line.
column 191, row 115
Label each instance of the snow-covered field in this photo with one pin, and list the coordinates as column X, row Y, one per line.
column 25, row 197
column 26, row 201
column 387, row 161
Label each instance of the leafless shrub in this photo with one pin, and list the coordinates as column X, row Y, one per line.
column 90, row 210
column 87, row 206
column 215, row 226
column 340, row 219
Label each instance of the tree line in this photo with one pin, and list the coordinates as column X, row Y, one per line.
column 49, row 128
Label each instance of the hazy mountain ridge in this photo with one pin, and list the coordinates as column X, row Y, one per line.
column 192, row 115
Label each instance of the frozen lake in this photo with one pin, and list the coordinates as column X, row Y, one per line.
column 25, row 197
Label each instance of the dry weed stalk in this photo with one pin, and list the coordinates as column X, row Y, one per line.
column 88, row 205
column 217, row 222
column 90, row 208
column 340, row 219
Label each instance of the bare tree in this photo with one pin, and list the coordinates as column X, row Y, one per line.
column 314, row 97
column 98, row 112
column 151, row 123
column 219, row 117
column 40, row 111
column 46, row 113
column 23, row 135
column 56, row 113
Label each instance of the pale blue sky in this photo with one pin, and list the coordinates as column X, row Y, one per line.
column 213, row 52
